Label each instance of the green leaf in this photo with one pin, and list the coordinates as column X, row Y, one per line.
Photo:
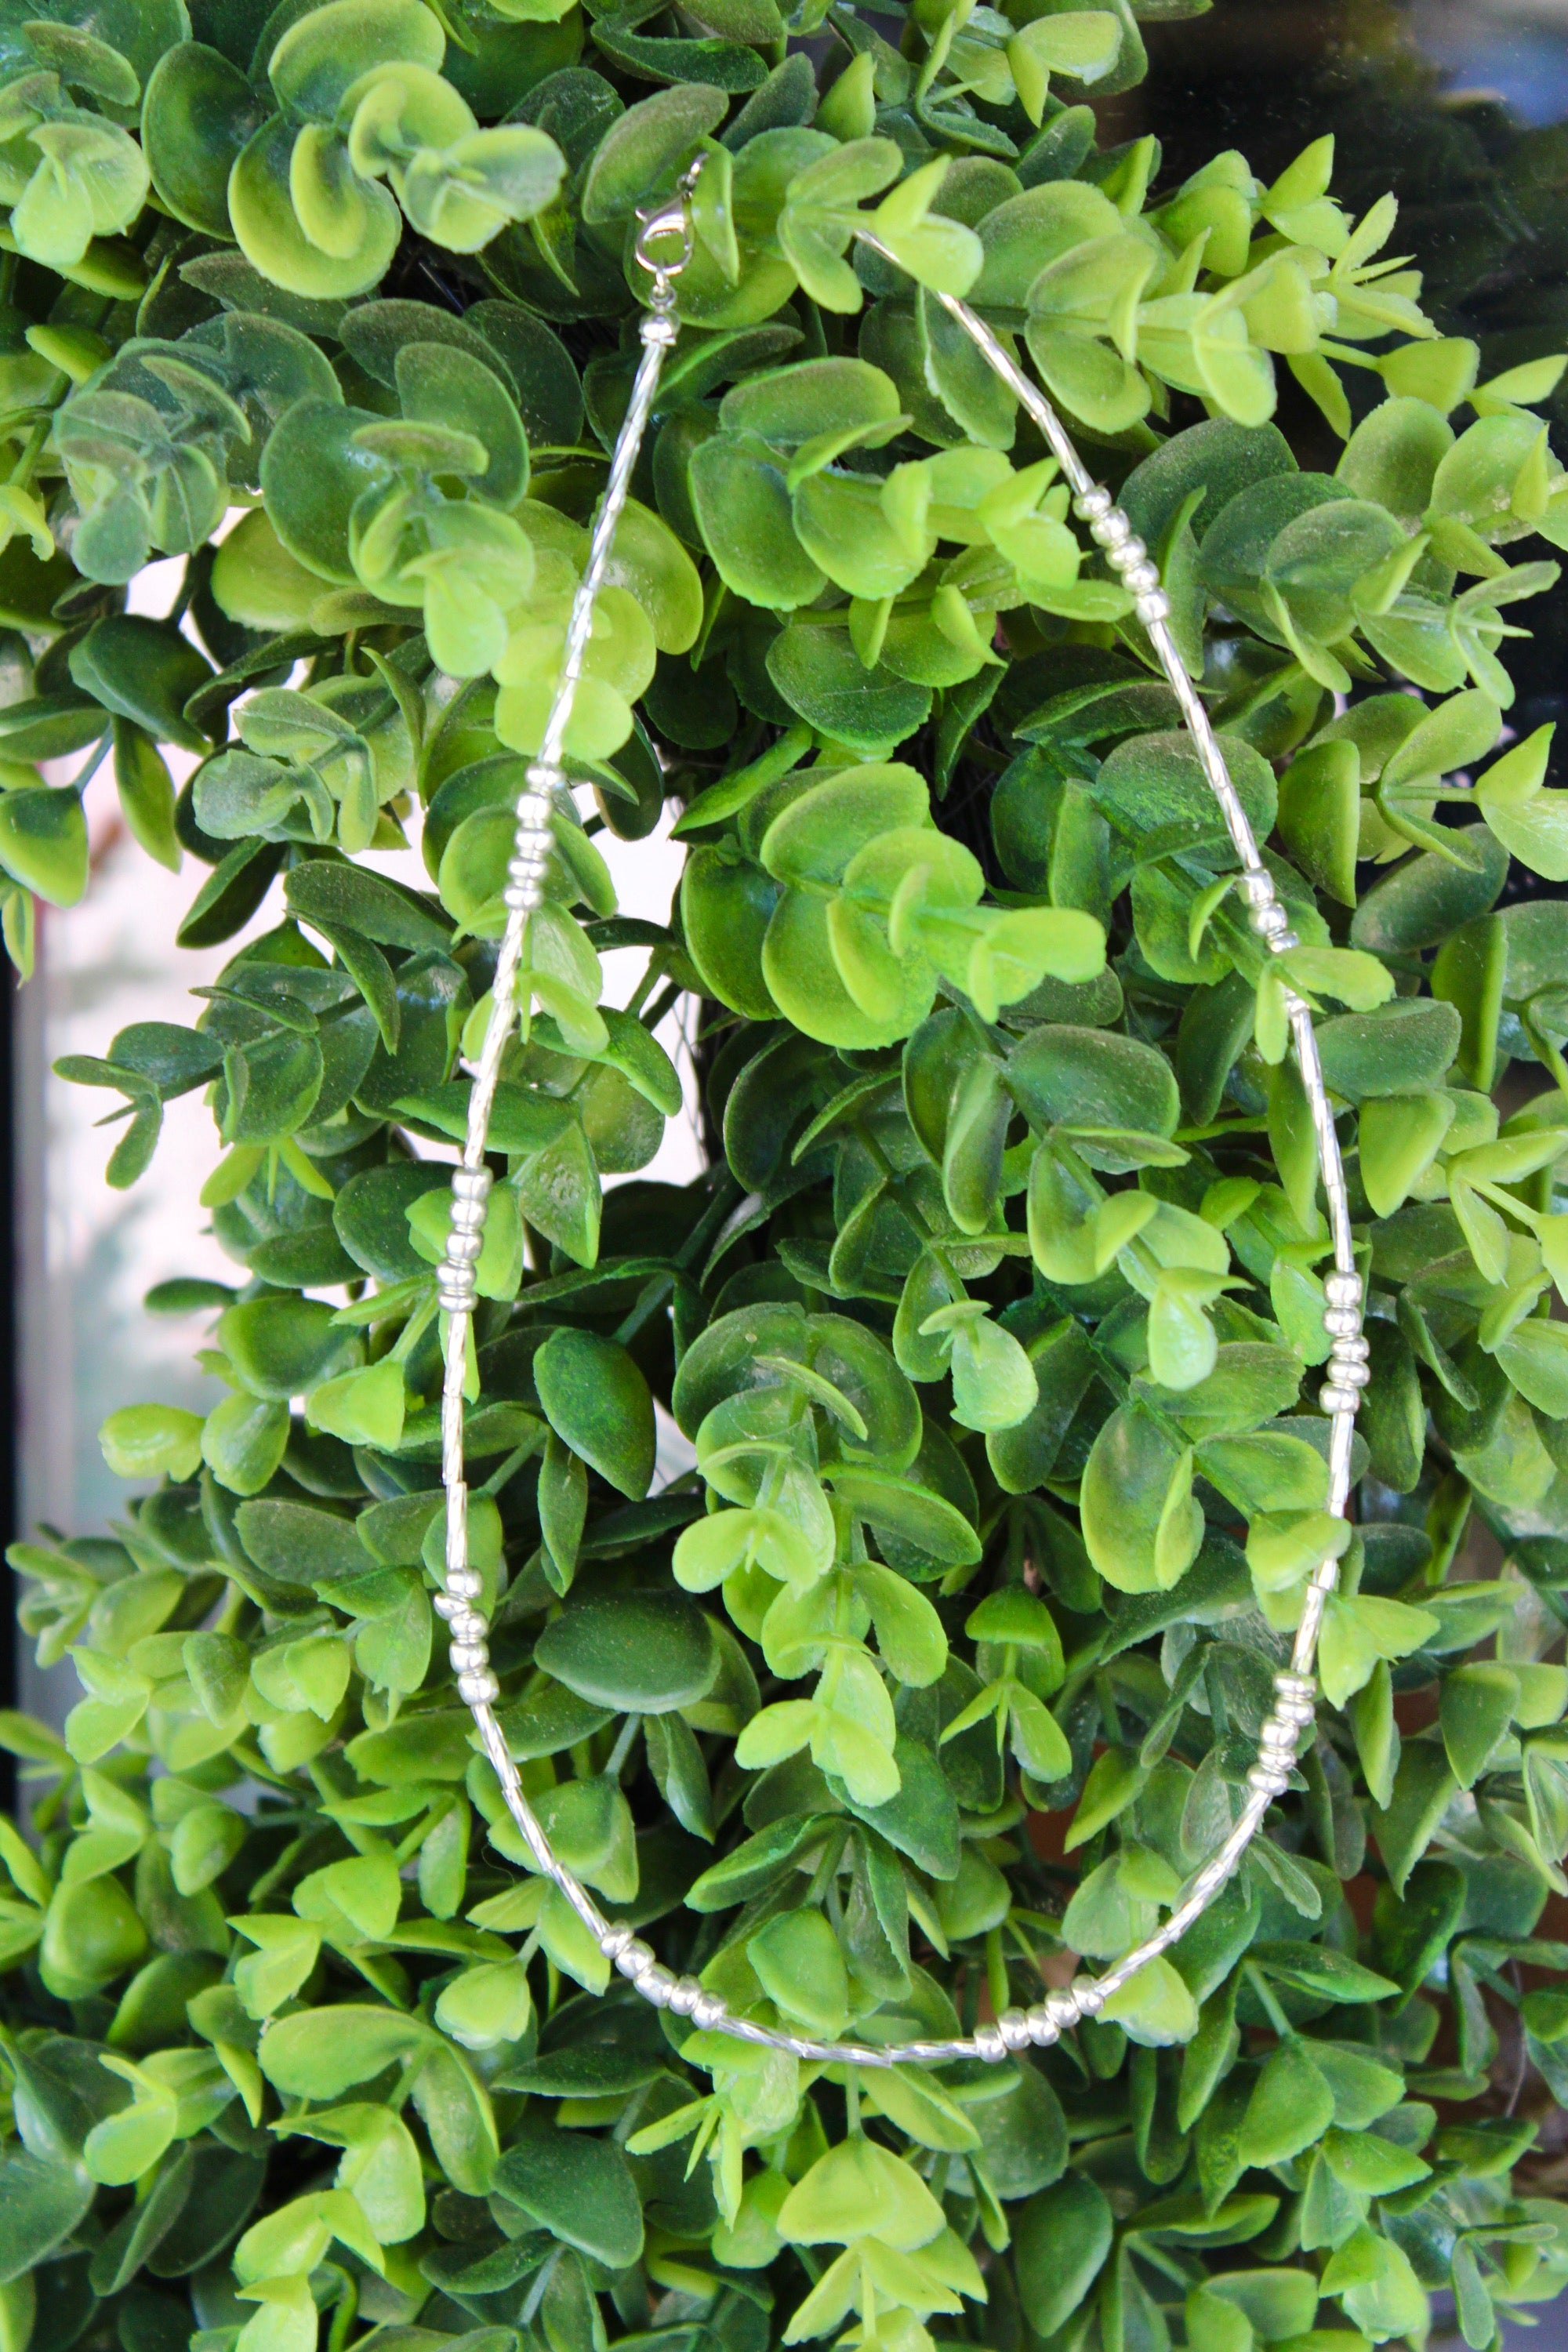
column 800, row 1967
column 860, row 2189
column 1141, row 1523
column 645, row 143
column 578, row 2188
column 1092, row 1079
column 146, row 793
column 144, row 671
column 1290, row 2107
column 1321, row 1969
column 1062, row 2237
column 319, row 2053
column 1360, row 1629
column 141, row 1441
column 743, row 509
column 43, row 842
column 1475, row 1706
column 197, row 113
column 644, row 1652
column 243, row 1440
column 42, row 2199
column 1423, row 1788
column 1407, row 1047
column 817, row 671
column 1154, row 2007
column 1114, row 1781
column 599, row 1403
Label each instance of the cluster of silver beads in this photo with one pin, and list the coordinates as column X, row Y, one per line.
column 1266, row 916
column 456, row 1279
column 1348, row 1368
column 684, row 1996
column 530, row 859
column 1059, row 2011
column 476, row 1685
column 1281, row 1730
column 1125, row 553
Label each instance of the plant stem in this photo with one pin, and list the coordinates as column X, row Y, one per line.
column 1271, row 2007
column 345, row 2314
column 622, row 1747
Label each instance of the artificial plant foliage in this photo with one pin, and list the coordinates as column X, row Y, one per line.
column 990, row 1324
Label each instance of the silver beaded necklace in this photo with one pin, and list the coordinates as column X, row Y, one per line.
column 663, row 249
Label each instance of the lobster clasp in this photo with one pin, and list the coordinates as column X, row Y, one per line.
column 665, row 237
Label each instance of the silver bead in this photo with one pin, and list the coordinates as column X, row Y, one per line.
column 633, row 1958
column 1334, row 1398
column 658, row 329
column 464, row 1583
column 1342, row 1322
column 478, row 1689
column 615, row 1940
column 1087, row 1996
column 1352, row 1347
column 684, row 1996
column 1348, row 1371
column 1257, row 885
column 1269, row 1780
column 989, row 2045
column 1140, row 577
column 470, row 1183
column 1299, row 1687
column 1269, row 921
column 469, row 1657
column 1152, row 607
column 1014, row 2027
column 657, row 1984
column 709, row 2009
column 1342, row 1289
column 1091, row 504
column 1063, row 2006
column 463, row 1249
column 454, row 1301
column 1043, row 2027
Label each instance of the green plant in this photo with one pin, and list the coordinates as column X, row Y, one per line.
column 989, row 1325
